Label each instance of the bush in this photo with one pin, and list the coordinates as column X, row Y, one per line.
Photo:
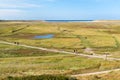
column 42, row 77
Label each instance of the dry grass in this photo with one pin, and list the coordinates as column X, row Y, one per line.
column 101, row 37
column 57, row 64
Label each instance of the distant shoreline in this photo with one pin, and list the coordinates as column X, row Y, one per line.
column 69, row 20
column 106, row 21
column 59, row 20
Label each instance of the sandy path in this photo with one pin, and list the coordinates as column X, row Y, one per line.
column 60, row 51
column 84, row 55
column 96, row 73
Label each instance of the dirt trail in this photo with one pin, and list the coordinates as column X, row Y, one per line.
column 20, row 29
column 84, row 55
column 60, row 51
column 96, row 73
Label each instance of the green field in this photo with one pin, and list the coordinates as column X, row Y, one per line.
column 100, row 37
column 109, row 76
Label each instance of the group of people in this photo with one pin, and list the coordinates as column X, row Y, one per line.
column 17, row 43
column 75, row 51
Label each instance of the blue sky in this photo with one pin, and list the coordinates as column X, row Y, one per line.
column 59, row 9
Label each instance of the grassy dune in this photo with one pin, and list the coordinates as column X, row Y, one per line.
column 101, row 37
column 7, row 51
column 54, row 64
column 109, row 76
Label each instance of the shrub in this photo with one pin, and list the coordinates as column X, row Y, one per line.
column 42, row 77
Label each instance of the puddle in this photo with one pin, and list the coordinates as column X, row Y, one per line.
column 48, row 36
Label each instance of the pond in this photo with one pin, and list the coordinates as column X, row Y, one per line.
column 47, row 36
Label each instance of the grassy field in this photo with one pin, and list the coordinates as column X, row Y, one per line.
column 54, row 64
column 100, row 37
column 7, row 51
column 109, row 76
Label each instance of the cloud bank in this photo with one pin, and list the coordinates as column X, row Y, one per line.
column 10, row 9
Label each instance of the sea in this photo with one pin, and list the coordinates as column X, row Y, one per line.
column 69, row 20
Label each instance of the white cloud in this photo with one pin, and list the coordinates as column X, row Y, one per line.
column 17, row 4
column 24, row 5
column 15, row 9
column 11, row 13
column 20, row 9
column 6, row 11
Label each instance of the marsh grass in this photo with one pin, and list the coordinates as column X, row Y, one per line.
column 109, row 76
column 55, row 64
column 19, row 61
column 42, row 77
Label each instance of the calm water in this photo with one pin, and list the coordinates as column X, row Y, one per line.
column 69, row 20
column 48, row 36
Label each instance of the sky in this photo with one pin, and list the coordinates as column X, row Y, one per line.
column 60, row 9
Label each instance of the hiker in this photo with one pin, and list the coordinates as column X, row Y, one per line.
column 17, row 43
column 75, row 50
column 14, row 42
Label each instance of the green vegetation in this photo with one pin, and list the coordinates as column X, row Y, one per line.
column 54, row 64
column 117, row 42
column 7, row 51
column 19, row 62
column 101, row 37
column 42, row 77
column 109, row 76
